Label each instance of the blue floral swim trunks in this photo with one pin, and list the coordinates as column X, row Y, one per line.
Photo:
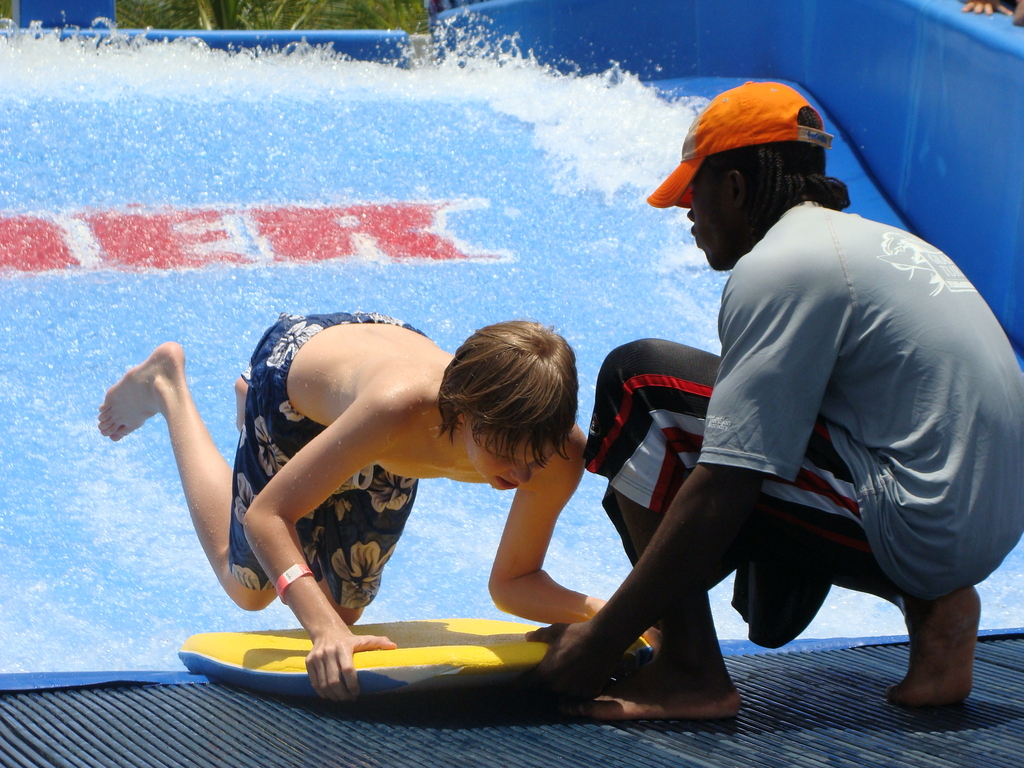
column 350, row 536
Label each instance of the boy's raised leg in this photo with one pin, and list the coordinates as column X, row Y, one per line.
column 158, row 385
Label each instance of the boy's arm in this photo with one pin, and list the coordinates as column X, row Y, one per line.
column 358, row 437
column 518, row 584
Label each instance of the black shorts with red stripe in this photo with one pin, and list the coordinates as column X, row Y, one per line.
column 803, row 536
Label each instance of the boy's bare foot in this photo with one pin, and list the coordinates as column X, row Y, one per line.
column 943, row 634
column 664, row 691
column 142, row 392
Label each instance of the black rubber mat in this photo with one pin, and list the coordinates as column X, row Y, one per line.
column 820, row 708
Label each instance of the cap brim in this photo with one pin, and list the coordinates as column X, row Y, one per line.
column 675, row 190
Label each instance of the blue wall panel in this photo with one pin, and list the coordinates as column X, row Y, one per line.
column 59, row 13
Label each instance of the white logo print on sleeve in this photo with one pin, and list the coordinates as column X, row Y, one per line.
column 913, row 256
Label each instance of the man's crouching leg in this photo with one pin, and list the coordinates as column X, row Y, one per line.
column 943, row 633
column 686, row 680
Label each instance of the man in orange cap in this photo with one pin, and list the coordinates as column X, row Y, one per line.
column 864, row 426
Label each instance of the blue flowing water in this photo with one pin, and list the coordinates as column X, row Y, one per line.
column 535, row 180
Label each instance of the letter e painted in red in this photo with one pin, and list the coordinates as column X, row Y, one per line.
column 165, row 240
column 303, row 234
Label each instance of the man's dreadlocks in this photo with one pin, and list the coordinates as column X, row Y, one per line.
column 781, row 175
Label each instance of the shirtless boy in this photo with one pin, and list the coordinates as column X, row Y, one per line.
column 340, row 415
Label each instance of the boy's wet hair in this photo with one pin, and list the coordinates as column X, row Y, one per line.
column 515, row 383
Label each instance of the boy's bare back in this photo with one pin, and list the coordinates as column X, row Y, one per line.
column 386, row 369
column 341, row 363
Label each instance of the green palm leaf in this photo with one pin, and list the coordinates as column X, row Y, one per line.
column 271, row 14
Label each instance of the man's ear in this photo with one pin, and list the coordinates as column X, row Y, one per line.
column 737, row 188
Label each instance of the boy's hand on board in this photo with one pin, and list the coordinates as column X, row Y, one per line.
column 331, row 669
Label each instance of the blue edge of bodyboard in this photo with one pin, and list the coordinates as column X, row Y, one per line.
column 204, row 671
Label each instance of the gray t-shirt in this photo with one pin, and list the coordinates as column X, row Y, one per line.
column 883, row 336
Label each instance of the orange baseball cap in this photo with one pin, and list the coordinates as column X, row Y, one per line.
column 753, row 113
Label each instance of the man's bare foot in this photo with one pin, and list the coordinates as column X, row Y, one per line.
column 663, row 691
column 141, row 393
column 943, row 634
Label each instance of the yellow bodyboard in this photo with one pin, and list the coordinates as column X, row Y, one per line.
column 434, row 653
